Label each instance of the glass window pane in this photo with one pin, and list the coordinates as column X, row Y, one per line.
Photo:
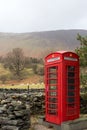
column 70, row 100
column 53, row 93
column 71, row 68
column 54, row 76
column 53, row 69
column 52, row 81
column 71, row 74
column 52, row 112
column 53, row 106
column 71, row 87
column 70, row 93
column 71, row 81
column 53, row 87
column 53, row 100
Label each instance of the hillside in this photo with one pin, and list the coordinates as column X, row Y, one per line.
column 38, row 44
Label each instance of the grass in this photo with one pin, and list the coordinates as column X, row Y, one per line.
column 24, row 86
column 27, row 77
column 4, row 71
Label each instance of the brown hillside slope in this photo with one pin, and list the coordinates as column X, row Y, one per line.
column 37, row 44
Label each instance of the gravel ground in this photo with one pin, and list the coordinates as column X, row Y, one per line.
column 40, row 127
column 36, row 126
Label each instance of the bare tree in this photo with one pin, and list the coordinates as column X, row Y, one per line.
column 15, row 60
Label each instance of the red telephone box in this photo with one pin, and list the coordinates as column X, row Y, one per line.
column 62, row 87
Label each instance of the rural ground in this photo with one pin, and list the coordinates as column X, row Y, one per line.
column 35, row 125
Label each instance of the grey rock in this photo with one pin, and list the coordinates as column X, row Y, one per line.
column 14, row 114
column 7, row 127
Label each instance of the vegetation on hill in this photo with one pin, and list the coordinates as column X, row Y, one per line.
column 16, row 66
column 4, row 74
column 82, row 52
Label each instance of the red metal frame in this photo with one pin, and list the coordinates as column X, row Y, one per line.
column 62, row 87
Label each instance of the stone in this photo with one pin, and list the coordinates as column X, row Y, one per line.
column 14, row 115
column 7, row 127
column 78, row 124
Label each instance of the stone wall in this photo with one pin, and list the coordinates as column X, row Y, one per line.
column 16, row 108
column 14, row 114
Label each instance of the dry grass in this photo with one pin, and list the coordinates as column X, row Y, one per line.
column 24, row 86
